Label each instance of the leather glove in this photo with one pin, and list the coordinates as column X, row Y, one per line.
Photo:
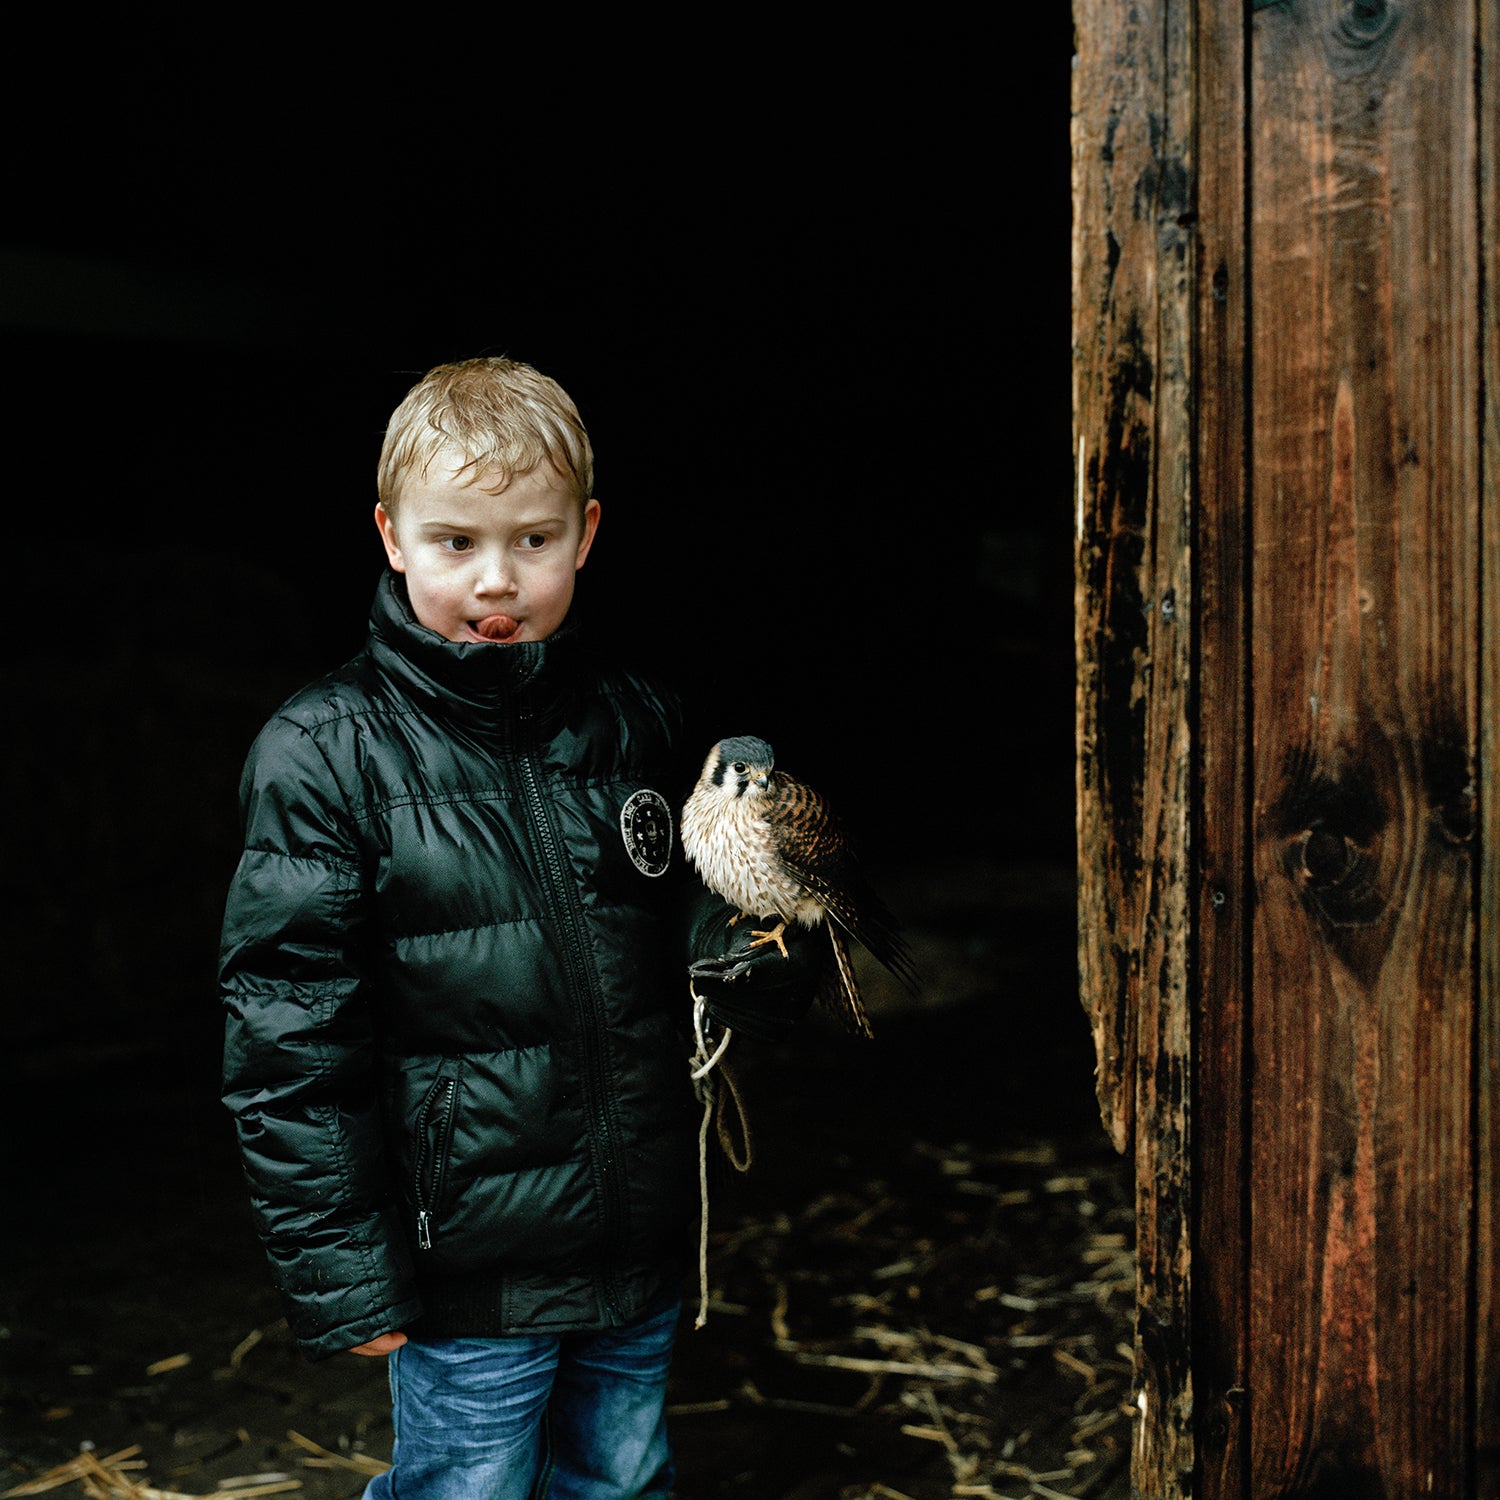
column 752, row 990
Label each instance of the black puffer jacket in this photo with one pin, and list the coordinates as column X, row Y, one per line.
column 453, row 1050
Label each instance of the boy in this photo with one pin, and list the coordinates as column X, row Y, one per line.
column 455, row 974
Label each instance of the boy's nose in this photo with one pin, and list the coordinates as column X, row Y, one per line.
column 495, row 577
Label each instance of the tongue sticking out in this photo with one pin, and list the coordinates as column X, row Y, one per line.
column 497, row 627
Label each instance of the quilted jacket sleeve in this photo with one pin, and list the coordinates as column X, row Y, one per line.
column 298, row 1055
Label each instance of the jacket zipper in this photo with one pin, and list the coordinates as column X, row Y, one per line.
column 432, row 1142
column 606, row 1146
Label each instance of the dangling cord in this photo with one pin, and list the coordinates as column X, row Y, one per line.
column 738, row 1155
column 703, row 1087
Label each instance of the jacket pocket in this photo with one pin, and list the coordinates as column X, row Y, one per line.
column 434, row 1138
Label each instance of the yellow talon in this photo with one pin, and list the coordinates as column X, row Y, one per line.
column 758, row 939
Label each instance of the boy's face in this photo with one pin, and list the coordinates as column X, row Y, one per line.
column 485, row 563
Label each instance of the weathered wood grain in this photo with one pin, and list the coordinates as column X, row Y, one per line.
column 1487, row 1030
column 1133, row 341
column 1337, row 344
column 1222, row 905
column 1114, row 391
column 1365, row 492
column 1164, row 1456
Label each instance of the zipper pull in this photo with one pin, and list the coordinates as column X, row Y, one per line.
column 424, row 1229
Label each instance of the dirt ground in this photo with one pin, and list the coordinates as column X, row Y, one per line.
column 921, row 1288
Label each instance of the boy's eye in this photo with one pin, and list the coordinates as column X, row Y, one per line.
column 457, row 543
column 536, row 540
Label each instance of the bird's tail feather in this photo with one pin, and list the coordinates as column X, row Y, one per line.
column 871, row 923
column 878, row 933
column 844, row 998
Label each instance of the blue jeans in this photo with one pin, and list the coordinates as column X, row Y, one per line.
column 576, row 1416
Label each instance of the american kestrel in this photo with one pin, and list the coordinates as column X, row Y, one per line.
column 771, row 847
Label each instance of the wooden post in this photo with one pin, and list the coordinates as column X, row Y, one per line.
column 1133, row 290
column 1364, row 451
column 1286, row 387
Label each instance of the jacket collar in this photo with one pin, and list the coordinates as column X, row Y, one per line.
column 474, row 680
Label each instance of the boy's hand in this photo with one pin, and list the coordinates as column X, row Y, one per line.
column 749, row 986
column 383, row 1345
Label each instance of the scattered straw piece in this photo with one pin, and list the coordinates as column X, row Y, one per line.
column 913, row 1341
column 1069, row 1184
column 1094, row 1423
column 929, row 1434
column 779, row 1329
column 73, row 1469
column 936, row 1411
column 861, row 1219
column 324, row 1458
column 928, row 1371
column 280, row 1487
column 1076, row 1365
column 104, row 1479
column 171, row 1362
column 245, row 1345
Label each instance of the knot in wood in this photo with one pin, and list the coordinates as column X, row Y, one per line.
column 1326, row 856
column 1358, row 34
column 1458, row 815
column 1450, row 782
column 1333, row 822
column 1364, row 21
column 1339, row 877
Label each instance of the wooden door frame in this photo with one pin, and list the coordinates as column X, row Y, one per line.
column 1171, row 836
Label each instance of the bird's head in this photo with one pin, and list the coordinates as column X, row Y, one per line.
column 738, row 764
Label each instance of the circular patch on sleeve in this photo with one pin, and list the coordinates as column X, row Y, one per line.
column 646, row 824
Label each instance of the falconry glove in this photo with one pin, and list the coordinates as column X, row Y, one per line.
column 748, row 986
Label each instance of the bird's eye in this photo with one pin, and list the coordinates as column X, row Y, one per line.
column 738, row 768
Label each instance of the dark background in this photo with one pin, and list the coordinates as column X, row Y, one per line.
column 808, row 281
column 810, row 293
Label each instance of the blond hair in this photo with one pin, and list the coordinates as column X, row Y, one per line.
column 497, row 415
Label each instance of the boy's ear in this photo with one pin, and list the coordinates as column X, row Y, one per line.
column 387, row 528
column 590, row 526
